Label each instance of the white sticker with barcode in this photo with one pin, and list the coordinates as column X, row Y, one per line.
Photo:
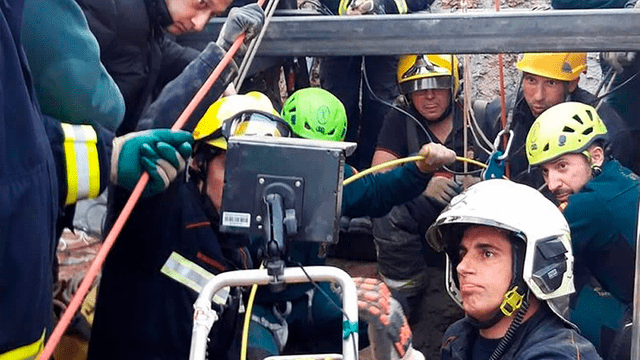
column 235, row 219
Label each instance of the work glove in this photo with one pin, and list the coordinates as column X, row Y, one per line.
column 247, row 19
column 619, row 60
column 160, row 152
column 442, row 189
column 364, row 7
column 389, row 331
column 435, row 156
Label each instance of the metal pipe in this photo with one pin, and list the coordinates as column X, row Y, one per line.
column 204, row 316
column 457, row 33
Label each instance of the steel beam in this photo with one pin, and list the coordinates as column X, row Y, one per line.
column 472, row 33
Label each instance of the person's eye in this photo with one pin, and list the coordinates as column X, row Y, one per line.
column 488, row 254
column 551, row 82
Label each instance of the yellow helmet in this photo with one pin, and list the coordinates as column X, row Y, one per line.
column 559, row 66
column 569, row 127
column 421, row 72
column 226, row 108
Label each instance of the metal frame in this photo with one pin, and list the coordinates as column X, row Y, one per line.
column 204, row 316
column 459, row 33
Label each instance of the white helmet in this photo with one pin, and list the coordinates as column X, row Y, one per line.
column 542, row 234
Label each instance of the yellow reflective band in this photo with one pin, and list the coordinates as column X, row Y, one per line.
column 342, row 8
column 191, row 275
column 402, row 6
column 27, row 352
column 82, row 164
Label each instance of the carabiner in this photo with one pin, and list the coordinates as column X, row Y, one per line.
column 496, row 143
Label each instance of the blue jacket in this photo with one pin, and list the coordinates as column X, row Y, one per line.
column 543, row 336
column 603, row 219
column 28, row 194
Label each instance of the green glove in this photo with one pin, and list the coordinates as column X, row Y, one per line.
column 162, row 153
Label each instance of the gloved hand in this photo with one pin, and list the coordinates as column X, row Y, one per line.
column 619, row 60
column 160, row 152
column 364, row 7
column 388, row 330
column 247, row 19
column 436, row 155
column 442, row 189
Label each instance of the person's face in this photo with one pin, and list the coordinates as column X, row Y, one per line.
column 431, row 103
column 566, row 175
column 215, row 180
column 541, row 92
column 484, row 271
column 193, row 15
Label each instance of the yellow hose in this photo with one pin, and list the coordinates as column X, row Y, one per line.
column 401, row 161
column 247, row 320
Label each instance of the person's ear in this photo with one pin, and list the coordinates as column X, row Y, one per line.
column 597, row 155
column 573, row 84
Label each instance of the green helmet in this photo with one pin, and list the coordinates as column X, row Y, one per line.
column 315, row 113
column 569, row 127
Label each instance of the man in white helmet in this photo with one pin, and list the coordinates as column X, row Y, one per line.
column 509, row 265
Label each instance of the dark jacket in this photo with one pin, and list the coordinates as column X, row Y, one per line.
column 399, row 234
column 590, row 4
column 28, row 195
column 143, row 314
column 618, row 134
column 135, row 49
column 543, row 336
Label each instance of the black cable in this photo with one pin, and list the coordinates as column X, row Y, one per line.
column 331, row 301
column 615, row 88
column 506, row 339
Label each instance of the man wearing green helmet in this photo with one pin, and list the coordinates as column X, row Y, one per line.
column 599, row 199
column 314, row 113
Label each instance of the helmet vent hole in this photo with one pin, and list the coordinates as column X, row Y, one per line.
column 568, row 130
column 587, row 131
column 546, row 147
column 577, row 118
column 330, row 133
column 307, row 126
column 590, row 114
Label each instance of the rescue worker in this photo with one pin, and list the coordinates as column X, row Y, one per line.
column 430, row 111
column 138, row 51
column 344, row 77
column 45, row 165
column 599, row 199
column 301, row 315
column 509, row 262
column 140, row 312
column 549, row 79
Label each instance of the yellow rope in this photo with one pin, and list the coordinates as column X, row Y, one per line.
column 247, row 320
column 401, row 161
